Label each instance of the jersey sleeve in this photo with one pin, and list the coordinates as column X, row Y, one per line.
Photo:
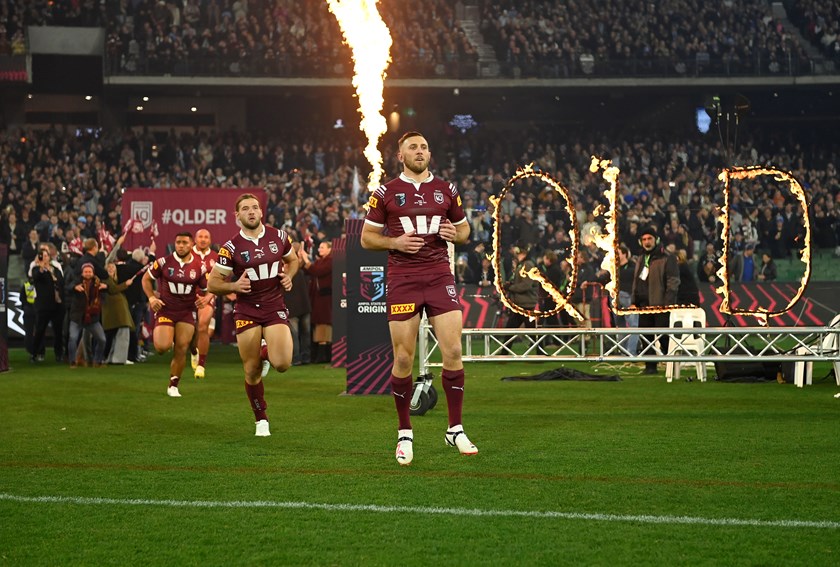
column 287, row 245
column 157, row 268
column 456, row 208
column 225, row 260
column 376, row 208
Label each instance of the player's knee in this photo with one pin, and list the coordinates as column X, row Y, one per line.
column 403, row 360
column 282, row 367
column 451, row 352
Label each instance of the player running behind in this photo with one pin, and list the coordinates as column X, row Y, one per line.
column 181, row 291
column 260, row 263
column 206, row 315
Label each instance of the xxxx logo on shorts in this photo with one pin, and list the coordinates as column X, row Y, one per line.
column 162, row 319
column 240, row 324
column 402, row 308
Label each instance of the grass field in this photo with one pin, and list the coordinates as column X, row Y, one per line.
column 100, row 467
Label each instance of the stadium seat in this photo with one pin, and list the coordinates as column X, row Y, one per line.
column 688, row 343
column 803, row 371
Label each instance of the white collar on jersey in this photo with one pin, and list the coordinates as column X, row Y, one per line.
column 185, row 262
column 407, row 179
column 198, row 253
column 255, row 240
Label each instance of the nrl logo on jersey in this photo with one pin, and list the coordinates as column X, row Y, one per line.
column 272, row 246
column 246, row 256
column 171, row 272
column 438, row 197
column 400, row 199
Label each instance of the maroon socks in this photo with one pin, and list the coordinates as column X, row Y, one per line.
column 453, row 386
column 256, row 395
column 401, row 389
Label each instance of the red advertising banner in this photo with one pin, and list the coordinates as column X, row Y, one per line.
column 163, row 213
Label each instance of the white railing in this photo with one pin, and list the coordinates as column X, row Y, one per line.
column 717, row 344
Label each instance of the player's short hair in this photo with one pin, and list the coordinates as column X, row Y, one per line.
column 408, row 135
column 186, row 233
column 244, row 196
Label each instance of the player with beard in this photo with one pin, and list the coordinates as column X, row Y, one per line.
column 181, row 291
column 206, row 315
column 261, row 263
column 422, row 214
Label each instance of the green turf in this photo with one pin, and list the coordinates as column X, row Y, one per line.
column 639, row 447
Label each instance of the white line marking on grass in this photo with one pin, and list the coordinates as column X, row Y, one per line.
column 643, row 519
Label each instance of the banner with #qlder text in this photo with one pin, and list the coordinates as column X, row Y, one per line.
column 160, row 214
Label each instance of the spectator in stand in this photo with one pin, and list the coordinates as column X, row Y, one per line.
column 300, row 309
column 656, row 283
column 48, row 279
column 747, row 272
column 85, row 314
column 132, row 269
column 689, row 293
column 12, row 233
column 625, row 298
column 116, row 317
column 320, row 297
column 767, row 270
column 30, row 248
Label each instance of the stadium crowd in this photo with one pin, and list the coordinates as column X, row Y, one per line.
column 638, row 37
column 247, row 37
column 532, row 38
column 64, row 187
column 819, row 23
column 68, row 184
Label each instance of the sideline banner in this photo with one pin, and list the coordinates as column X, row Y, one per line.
column 163, row 213
column 4, row 282
column 369, row 353
column 339, row 301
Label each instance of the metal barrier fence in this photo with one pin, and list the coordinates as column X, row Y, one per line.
column 706, row 344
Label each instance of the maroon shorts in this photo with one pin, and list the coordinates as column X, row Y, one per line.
column 169, row 317
column 409, row 295
column 247, row 316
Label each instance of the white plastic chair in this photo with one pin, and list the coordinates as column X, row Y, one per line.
column 688, row 343
column 803, row 371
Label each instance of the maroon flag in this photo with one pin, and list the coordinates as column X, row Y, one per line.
column 106, row 239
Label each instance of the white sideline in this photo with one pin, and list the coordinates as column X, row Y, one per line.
column 644, row 519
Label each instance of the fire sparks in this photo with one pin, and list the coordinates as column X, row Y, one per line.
column 561, row 299
column 370, row 42
column 608, row 240
column 796, row 189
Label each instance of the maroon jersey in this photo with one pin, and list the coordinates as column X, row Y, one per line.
column 178, row 282
column 262, row 258
column 403, row 205
column 209, row 258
